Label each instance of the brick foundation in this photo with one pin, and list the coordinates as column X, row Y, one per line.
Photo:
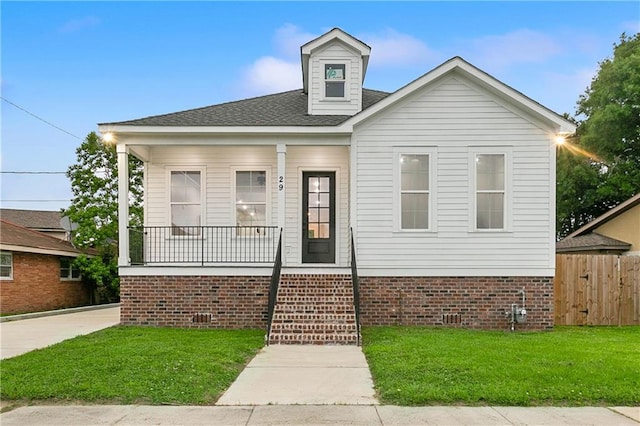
column 469, row 302
column 36, row 286
column 241, row 302
column 194, row 301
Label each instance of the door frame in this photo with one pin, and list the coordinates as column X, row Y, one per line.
column 338, row 213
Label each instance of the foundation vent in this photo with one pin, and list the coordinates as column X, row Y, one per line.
column 201, row 318
column 451, row 319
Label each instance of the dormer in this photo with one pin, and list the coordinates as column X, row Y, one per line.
column 333, row 70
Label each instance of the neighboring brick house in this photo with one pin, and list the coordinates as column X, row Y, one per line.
column 440, row 196
column 36, row 272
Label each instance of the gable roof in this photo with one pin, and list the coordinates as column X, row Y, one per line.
column 18, row 238
column 606, row 217
column 483, row 79
column 335, row 34
column 33, row 219
column 281, row 109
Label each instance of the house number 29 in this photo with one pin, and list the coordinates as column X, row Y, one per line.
column 280, row 183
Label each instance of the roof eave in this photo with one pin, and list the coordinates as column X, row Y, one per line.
column 123, row 129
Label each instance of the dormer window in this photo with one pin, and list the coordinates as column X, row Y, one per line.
column 334, row 80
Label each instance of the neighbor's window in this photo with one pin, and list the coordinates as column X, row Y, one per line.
column 251, row 198
column 67, row 270
column 490, row 191
column 6, row 265
column 414, row 191
column 186, row 202
column 334, row 80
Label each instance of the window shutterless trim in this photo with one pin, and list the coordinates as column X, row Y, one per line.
column 431, row 152
column 507, row 153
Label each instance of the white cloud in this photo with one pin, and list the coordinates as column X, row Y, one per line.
column 392, row 48
column 271, row 75
column 289, row 38
column 497, row 52
column 79, row 24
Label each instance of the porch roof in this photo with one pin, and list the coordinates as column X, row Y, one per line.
column 280, row 109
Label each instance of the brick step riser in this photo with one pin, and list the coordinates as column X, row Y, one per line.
column 305, row 317
column 319, row 339
column 314, row 310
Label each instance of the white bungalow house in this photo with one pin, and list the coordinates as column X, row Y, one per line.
column 434, row 204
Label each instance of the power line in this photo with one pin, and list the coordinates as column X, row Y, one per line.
column 39, row 118
column 32, row 173
column 32, row 201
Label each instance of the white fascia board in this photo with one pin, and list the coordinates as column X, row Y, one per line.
column 37, row 250
column 500, row 89
column 338, row 34
column 226, row 130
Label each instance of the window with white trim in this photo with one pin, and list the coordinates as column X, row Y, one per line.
column 414, row 191
column 490, row 194
column 68, row 271
column 335, row 80
column 6, row 265
column 186, row 202
column 251, row 197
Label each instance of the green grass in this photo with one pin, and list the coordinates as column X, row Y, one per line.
column 125, row 365
column 566, row 367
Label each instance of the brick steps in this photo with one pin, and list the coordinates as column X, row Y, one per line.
column 314, row 309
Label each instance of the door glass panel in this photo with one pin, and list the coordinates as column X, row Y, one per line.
column 319, row 207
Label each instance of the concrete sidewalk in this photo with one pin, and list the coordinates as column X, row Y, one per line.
column 24, row 333
column 316, row 415
column 303, row 374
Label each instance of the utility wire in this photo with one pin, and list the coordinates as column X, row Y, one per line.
column 32, row 173
column 39, row 118
column 38, row 201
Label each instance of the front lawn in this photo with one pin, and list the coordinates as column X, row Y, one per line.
column 568, row 366
column 125, row 365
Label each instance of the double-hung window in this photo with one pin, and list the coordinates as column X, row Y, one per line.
column 414, row 199
column 490, row 191
column 334, row 81
column 6, row 265
column 186, row 202
column 67, row 269
column 251, row 199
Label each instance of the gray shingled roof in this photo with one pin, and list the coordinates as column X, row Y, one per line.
column 590, row 242
column 33, row 219
column 280, row 109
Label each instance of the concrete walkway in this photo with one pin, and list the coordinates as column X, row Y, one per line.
column 24, row 333
column 303, row 374
column 124, row 415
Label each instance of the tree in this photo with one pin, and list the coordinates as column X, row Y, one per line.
column 603, row 169
column 94, row 208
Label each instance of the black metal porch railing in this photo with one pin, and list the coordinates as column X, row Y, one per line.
column 273, row 288
column 356, row 285
column 202, row 244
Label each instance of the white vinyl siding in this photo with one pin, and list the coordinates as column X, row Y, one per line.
column 455, row 115
column 351, row 103
column 218, row 181
column 316, row 158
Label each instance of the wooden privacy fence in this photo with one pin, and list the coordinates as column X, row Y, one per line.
column 597, row 290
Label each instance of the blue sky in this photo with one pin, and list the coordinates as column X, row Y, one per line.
column 76, row 64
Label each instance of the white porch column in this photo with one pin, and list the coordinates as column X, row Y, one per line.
column 281, row 150
column 123, row 205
